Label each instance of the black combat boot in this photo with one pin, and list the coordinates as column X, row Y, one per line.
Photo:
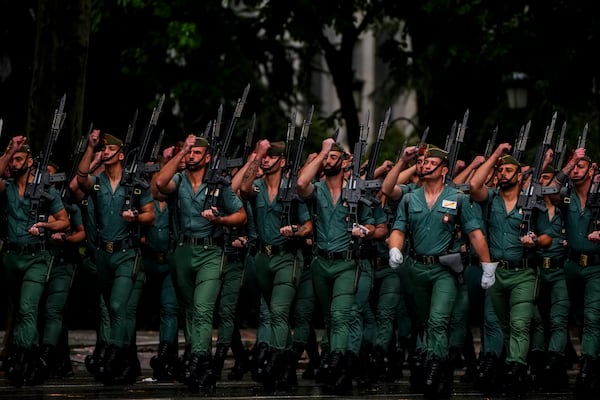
column 131, row 367
column 289, row 378
column 219, row 360
column 515, row 380
column 314, row 358
column 587, row 378
column 183, row 364
column 240, row 366
column 417, row 372
column 206, row 378
column 113, row 364
column 17, row 370
column 164, row 362
column 261, row 360
column 40, row 369
column 93, row 361
column 432, row 377
column 554, row 375
column 537, row 362
column 485, row 379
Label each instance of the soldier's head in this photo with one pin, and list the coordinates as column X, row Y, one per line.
column 199, row 155
column 274, row 160
column 582, row 171
column 112, row 150
column 21, row 162
column 332, row 165
column 434, row 162
column 508, row 172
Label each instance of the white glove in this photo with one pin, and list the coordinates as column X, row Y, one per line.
column 396, row 257
column 489, row 274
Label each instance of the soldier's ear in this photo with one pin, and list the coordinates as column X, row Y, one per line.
column 121, row 156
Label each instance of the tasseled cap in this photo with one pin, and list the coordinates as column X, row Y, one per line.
column 508, row 159
column 201, row 142
column 277, row 149
column 429, row 150
column 112, row 140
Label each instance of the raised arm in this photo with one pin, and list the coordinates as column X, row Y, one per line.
column 310, row 169
column 478, row 190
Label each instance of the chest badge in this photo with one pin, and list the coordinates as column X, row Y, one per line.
column 446, row 218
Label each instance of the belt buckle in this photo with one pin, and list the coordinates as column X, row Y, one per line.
column 583, row 260
column 268, row 249
column 109, row 247
column 428, row 259
column 546, row 262
column 160, row 257
column 503, row 264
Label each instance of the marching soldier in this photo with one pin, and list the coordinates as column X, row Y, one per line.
column 198, row 254
column 26, row 257
column 511, row 277
column 334, row 266
column 116, row 257
column 430, row 216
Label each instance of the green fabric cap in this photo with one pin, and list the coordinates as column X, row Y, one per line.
column 25, row 149
column 337, row 147
column 549, row 170
column 508, row 159
column 112, row 140
column 201, row 142
column 277, row 149
column 429, row 150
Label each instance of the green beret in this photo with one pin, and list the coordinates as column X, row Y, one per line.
column 112, row 140
column 277, row 149
column 25, row 149
column 508, row 159
column 337, row 147
column 201, row 142
column 429, row 150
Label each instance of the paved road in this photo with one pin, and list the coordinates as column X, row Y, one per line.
column 82, row 386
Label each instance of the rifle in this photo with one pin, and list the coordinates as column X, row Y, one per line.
column 582, row 140
column 376, row 147
column 37, row 190
column 489, row 146
column 533, row 197
column 287, row 189
column 1, row 125
column 593, row 202
column 521, row 142
column 217, row 172
column 156, row 147
column 79, row 150
column 455, row 147
column 353, row 192
column 249, row 138
column 134, row 177
column 559, row 152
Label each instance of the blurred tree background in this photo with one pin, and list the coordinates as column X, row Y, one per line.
column 114, row 57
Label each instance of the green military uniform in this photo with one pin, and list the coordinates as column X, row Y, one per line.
column 159, row 283
column 553, row 304
column 198, row 258
column 582, row 274
column 116, row 256
column 279, row 264
column 26, row 261
column 431, row 234
column 516, row 278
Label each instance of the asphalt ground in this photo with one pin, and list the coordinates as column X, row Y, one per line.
column 83, row 386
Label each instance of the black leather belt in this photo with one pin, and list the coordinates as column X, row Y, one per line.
column 381, row 262
column 584, row 259
column 25, row 248
column 427, row 259
column 197, row 241
column 515, row 265
column 334, row 255
column 273, row 250
column 159, row 256
column 113, row 246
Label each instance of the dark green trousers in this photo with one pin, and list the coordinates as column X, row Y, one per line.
column 159, row 284
column 198, row 278
column 231, row 282
column 57, row 293
column 512, row 296
column 26, row 277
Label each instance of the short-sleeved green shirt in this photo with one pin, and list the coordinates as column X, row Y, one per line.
column 432, row 231
column 190, row 205
column 556, row 229
column 269, row 214
column 332, row 232
column 578, row 228
column 18, row 216
column 158, row 233
column 504, row 229
column 109, row 206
